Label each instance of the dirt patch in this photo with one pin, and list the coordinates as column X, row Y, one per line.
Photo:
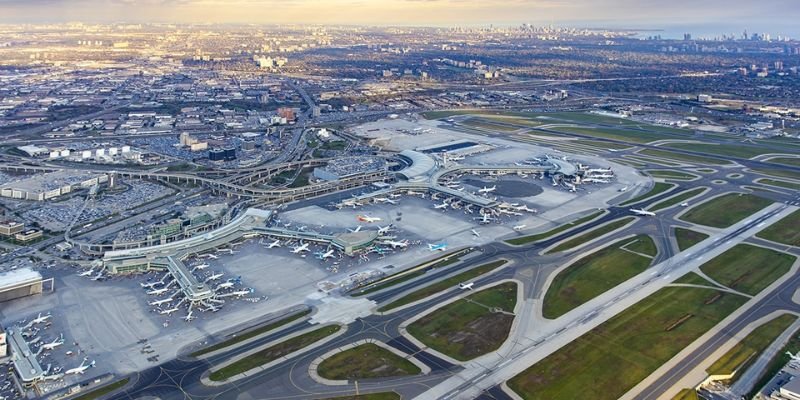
column 483, row 334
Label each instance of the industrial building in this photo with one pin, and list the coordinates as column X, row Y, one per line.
column 50, row 185
column 21, row 283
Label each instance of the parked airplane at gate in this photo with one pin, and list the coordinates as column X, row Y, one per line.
column 487, row 189
column 368, row 219
column 437, row 246
column 80, row 369
column 299, row 249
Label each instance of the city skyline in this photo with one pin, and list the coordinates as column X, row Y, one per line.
column 710, row 18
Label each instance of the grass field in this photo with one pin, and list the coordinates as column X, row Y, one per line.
column 482, row 123
column 247, row 335
column 628, row 136
column 658, row 188
column 687, row 238
column 102, row 391
column 748, row 269
column 726, row 150
column 692, row 278
column 591, row 235
column 615, row 356
column 671, row 155
column 744, row 353
column 596, row 273
column 786, row 231
column 440, row 286
column 686, row 394
column 369, row 396
column 677, row 199
column 365, row 361
column 469, row 327
column 778, row 173
column 726, row 210
column 776, row 363
column 792, row 161
column 779, row 183
column 671, row 174
column 273, row 353
column 602, row 145
column 544, row 235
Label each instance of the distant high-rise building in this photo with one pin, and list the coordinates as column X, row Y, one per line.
column 687, row 36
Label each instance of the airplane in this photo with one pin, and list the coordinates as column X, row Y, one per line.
column 684, row 204
column 224, row 285
column 160, row 302
column 168, row 311
column 189, row 317
column 403, row 244
column 385, row 200
column 214, row 277
column 519, row 227
column 201, row 266
column 368, row 219
column 80, row 369
column 485, row 219
column 441, row 206
column 299, row 249
column 487, row 189
column 475, row 233
column 525, row 208
column 241, row 293
column 212, row 256
column 39, row 319
column 466, row 286
column 325, row 255
column 86, row 273
column 623, row 189
column 276, row 243
column 98, row 276
column 383, row 230
column 437, row 247
column 55, row 343
column 358, row 229
column 395, row 195
column 157, row 292
column 149, row 285
column 794, row 357
column 643, row 212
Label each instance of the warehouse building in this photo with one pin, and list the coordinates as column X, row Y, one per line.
column 50, row 185
column 21, row 283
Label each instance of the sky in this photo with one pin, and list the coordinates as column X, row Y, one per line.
column 700, row 16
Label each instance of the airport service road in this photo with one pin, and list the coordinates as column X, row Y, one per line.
column 488, row 371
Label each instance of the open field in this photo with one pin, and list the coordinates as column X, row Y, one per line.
column 671, row 174
column 693, row 278
column 744, row 353
column 748, row 269
column 658, row 188
column 727, row 150
column 726, row 210
column 791, row 161
column 786, row 231
column 253, row 333
column 671, row 155
column 629, row 136
column 615, row 356
column 777, row 362
column 686, row 394
column 591, row 235
column 544, row 235
column 779, row 183
column 469, row 327
column 596, row 273
column 273, row 353
column 102, row 391
column 677, row 199
column 780, row 173
column 365, row 361
column 445, row 284
column 482, row 123
column 603, row 145
column 369, row 396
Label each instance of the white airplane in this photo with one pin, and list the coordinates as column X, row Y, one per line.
column 525, row 207
column 241, row 293
column 160, row 302
column 475, row 233
column 487, row 189
column 189, row 317
column 325, row 255
column 149, row 285
column 276, row 243
column 385, row 200
column 437, row 247
column 156, row 292
column 86, row 273
column 55, row 343
column 623, row 189
column 684, row 204
column 794, row 357
column 384, row 229
column 485, row 219
column 212, row 256
column 201, row 266
column 299, row 249
column 441, row 206
column 358, row 229
column 39, row 319
column 466, row 286
column 168, row 311
column 402, row 244
column 80, row 369
column 519, row 227
column 214, row 277
column 368, row 219
column 643, row 212
column 395, row 195
column 224, row 285
column 98, row 276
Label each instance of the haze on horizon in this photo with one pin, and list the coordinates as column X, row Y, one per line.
column 722, row 16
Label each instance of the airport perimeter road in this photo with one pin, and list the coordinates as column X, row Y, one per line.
column 486, row 372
